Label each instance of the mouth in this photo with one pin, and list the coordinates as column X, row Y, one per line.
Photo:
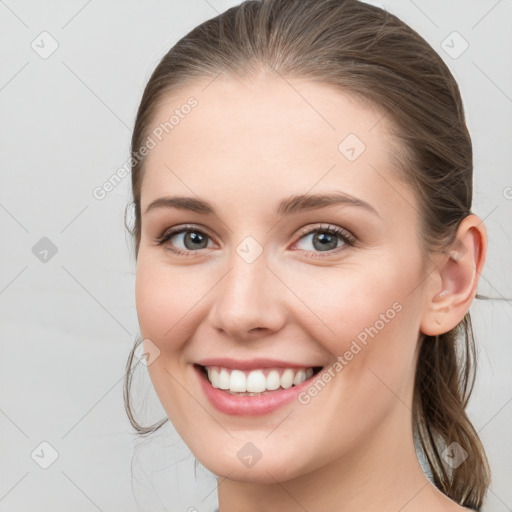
column 257, row 381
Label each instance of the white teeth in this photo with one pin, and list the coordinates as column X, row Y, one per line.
column 273, row 380
column 256, row 381
column 287, row 378
column 237, row 381
column 213, row 375
column 223, row 378
column 299, row 378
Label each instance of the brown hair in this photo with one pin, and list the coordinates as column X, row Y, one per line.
column 378, row 59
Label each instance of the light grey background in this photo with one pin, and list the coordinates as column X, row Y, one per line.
column 67, row 324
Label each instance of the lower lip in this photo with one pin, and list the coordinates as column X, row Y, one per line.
column 245, row 405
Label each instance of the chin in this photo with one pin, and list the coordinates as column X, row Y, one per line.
column 261, row 473
column 247, row 464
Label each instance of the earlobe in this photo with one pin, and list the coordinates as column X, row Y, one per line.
column 459, row 271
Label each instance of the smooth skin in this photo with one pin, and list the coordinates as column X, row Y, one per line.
column 246, row 146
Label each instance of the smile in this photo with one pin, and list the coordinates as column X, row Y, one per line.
column 257, row 381
column 251, row 388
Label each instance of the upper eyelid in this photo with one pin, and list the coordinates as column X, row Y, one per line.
column 324, row 226
column 185, row 228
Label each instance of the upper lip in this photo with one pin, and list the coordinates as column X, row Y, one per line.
column 252, row 364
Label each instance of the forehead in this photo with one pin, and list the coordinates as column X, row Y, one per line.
column 269, row 136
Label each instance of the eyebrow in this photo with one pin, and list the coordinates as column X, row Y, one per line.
column 290, row 205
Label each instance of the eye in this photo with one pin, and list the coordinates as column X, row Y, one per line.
column 325, row 239
column 188, row 239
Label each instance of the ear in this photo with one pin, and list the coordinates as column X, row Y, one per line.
column 454, row 281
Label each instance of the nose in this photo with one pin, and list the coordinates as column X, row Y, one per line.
column 248, row 301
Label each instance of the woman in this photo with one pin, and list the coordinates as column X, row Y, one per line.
column 306, row 259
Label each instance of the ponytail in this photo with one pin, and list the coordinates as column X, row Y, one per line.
column 444, row 382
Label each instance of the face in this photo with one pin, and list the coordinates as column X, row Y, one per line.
column 314, row 304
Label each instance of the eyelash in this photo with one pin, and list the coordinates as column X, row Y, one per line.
column 345, row 237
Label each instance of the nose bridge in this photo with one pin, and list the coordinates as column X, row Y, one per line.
column 246, row 298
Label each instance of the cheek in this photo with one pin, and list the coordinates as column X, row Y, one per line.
column 341, row 303
column 374, row 321
column 367, row 318
column 150, row 297
column 164, row 298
